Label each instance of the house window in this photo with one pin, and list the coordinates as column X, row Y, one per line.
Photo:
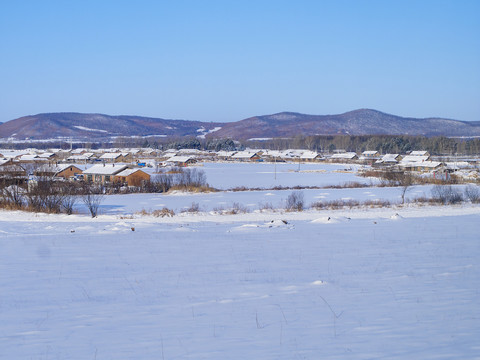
column 89, row 177
column 107, row 177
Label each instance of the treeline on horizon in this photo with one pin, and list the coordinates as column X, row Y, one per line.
column 384, row 144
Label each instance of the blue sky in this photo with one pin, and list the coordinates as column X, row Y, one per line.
column 229, row 60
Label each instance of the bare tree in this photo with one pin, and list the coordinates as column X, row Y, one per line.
column 406, row 181
column 92, row 200
column 13, row 195
column 472, row 193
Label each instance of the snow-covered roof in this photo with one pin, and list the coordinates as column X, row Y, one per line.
column 244, row 155
column 370, row 153
column 180, row 159
column 111, row 155
column 348, row 155
column 309, row 155
column 128, row 172
column 46, row 155
column 388, row 158
column 413, row 159
column 225, row 153
column 419, row 153
column 105, row 169
column 425, row 164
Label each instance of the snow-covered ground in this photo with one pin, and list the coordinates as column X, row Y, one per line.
column 374, row 284
column 268, row 175
column 399, row 282
column 251, row 200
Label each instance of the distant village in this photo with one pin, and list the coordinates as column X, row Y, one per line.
column 133, row 167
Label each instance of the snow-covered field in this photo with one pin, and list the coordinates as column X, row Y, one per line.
column 396, row 283
column 268, row 175
column 251, row 200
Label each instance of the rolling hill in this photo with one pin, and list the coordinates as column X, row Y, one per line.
column 286, row 124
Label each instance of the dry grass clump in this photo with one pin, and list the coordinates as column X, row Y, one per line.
column 165, row 212
column 193, row 188
column 350, row 203
column 348, row 185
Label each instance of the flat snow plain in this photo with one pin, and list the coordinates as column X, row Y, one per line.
column 390, row 283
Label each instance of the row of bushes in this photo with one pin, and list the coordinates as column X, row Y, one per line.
column 46, row 195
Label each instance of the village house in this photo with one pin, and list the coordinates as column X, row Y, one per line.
column 225, row 155
column 132, row 177
column 246, row 156
column 31, row 158
column 310, row 156
column 181, row 160
column 50, row 156
column 68, row 171
column 414, row 159
column 11, row 170
column 423, row 166
column 344, row 157
column 419, row 153
column 83, row 158
column 65, row 171
column 388, row 160
column 102, row 173
column 369, row 154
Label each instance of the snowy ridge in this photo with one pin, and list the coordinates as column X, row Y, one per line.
column 88, row 129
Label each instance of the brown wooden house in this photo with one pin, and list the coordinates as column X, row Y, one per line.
column 132, row 177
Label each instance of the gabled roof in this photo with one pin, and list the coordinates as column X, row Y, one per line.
column 388, row 158
column 46, row 155
column 107, row 169
column 62, row 167
column 180, row 159
column 244, row 155
column 111, row 155
column 425, row 164
column 348, row 155
column 414, row 158
column 419, row 153
column 128, row 172
column 309, row 155
column 225, row 153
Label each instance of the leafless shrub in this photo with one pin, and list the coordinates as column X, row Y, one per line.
column 68, row 202
column 44, row 195
column 472, row 193
column 219, row 209
column 92, row 200
column 13, row 196
column 237, row 209
column 446, row 194
column 295, row 201
column 425, row 200
column 265, row 206
column 194, row 208
column 161, row 183
column 190, row 177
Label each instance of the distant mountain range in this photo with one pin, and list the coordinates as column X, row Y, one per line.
column 286, row 124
